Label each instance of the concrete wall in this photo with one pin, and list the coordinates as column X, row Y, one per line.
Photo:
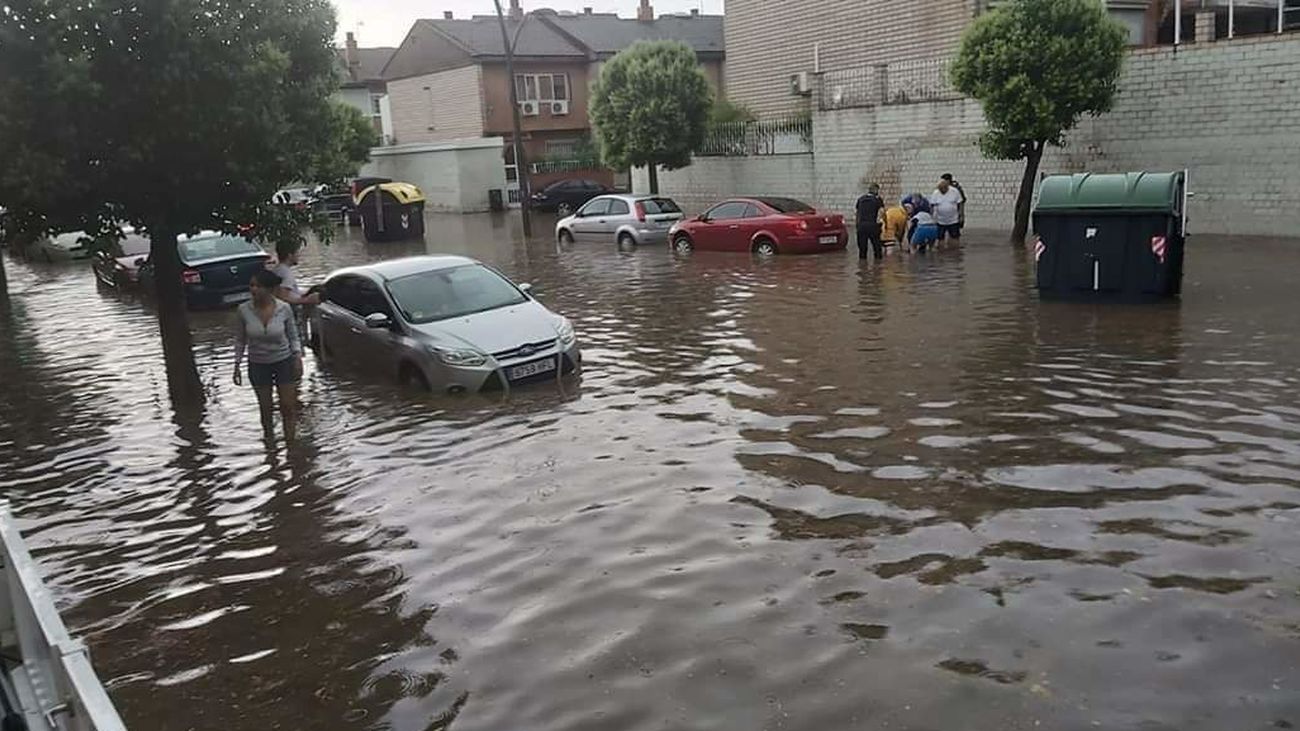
column 710, row 179
column 455, row 176
column 768, row 40
column 446, row 105
column 1229, row 111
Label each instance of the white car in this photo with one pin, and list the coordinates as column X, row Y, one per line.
column 627, row 219
column 65, row 246
column 443, row 323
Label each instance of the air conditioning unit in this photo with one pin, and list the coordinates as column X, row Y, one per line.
column 559, row 108
column 801, row 84
column 528, row 108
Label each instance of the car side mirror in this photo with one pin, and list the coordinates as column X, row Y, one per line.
column 378, row 321
column 526, row 288
column 702, row 218
column 139, row 262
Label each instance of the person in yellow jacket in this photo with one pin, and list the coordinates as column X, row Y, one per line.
column 895, row 225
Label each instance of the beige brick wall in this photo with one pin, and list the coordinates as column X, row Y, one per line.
column 1219, row 109
column 447, row 105
column 768, row 40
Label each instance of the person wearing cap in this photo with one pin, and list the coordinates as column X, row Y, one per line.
column 868, row 208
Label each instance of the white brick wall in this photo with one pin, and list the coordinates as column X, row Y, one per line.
column 768, row 40
column 447, row 105
column 710, row 179
column 1228, row 111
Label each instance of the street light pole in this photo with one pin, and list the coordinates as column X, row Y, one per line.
column 521, row 174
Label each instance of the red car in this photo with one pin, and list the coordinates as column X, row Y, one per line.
column 764, row 226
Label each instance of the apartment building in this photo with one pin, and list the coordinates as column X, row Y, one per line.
column 775, row 49
column 448, row 78
column 363, row 85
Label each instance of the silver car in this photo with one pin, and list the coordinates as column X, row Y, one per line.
column 627, row 219
column 445, row 323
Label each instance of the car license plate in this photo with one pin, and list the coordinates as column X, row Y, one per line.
column 828, row 239
column 531, row 369
column 230, row 299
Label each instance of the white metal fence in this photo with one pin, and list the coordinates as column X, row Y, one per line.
column 55, row 684
column 901, row 82
column 787, row 135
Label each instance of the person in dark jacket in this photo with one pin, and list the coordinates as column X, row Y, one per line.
column 869, row 207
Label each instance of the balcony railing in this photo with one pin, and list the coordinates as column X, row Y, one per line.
column 787, row 135
column 901, row 82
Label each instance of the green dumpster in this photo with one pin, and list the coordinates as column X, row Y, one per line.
column 1111, row 236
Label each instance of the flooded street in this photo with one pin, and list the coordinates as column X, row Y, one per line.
column 799, row 494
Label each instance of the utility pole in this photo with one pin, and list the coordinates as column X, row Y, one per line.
column 521, row 170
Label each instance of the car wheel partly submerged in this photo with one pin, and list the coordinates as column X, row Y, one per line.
column 683, row 245
column 412, row 377
column 626, row 241
column 565, row 237
column 564, row 209
column 765, row 247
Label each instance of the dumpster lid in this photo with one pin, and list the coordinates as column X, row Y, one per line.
column 1119, row 191
column 403, row 192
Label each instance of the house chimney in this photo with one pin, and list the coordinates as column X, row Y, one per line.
column 586, row 11
column 351, row 57
column 516, row 12
column 645, row 13
column 695, row 12
column 447, row 15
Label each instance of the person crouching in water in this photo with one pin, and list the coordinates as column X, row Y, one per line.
column 921, row 228
column 895, row 227
column 266, row 330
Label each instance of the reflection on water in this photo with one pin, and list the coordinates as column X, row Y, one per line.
column 799, row 494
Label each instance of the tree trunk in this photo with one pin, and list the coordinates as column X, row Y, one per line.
column 173, row 321
column 1026, row 196
column 653, row 168
column 4, row 279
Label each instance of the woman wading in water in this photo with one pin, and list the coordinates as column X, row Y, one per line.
column 265, row 330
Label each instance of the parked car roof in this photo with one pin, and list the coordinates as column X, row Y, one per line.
column 394, row 268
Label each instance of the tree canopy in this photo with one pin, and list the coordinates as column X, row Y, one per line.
column 651, row 106
column 171, row 115
column 1038, row 66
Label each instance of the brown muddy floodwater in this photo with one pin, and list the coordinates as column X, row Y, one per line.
column 799, row 494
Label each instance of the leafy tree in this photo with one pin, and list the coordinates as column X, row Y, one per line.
column 651, row 107
column 1038, row 66
column 169, row 115
column 726, row 111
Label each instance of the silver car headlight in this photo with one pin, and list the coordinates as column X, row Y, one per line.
column 460, row 356
column 565, row 331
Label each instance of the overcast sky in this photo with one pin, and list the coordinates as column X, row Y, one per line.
column 385, row 22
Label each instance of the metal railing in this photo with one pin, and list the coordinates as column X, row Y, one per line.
column 900, row 82
column 55, row 684
column 563, row 166
column 787, row 135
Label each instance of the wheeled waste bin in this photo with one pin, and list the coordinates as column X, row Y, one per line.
column 391, row 212
column 1111, row 236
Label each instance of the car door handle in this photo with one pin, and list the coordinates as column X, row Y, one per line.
column 355, row 330
column 734, row 227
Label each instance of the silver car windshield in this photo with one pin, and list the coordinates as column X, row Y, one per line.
column 440, row 294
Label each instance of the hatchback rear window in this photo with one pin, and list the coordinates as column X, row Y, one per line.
column 217, row 247
column 787, row 205
column 660, row 205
